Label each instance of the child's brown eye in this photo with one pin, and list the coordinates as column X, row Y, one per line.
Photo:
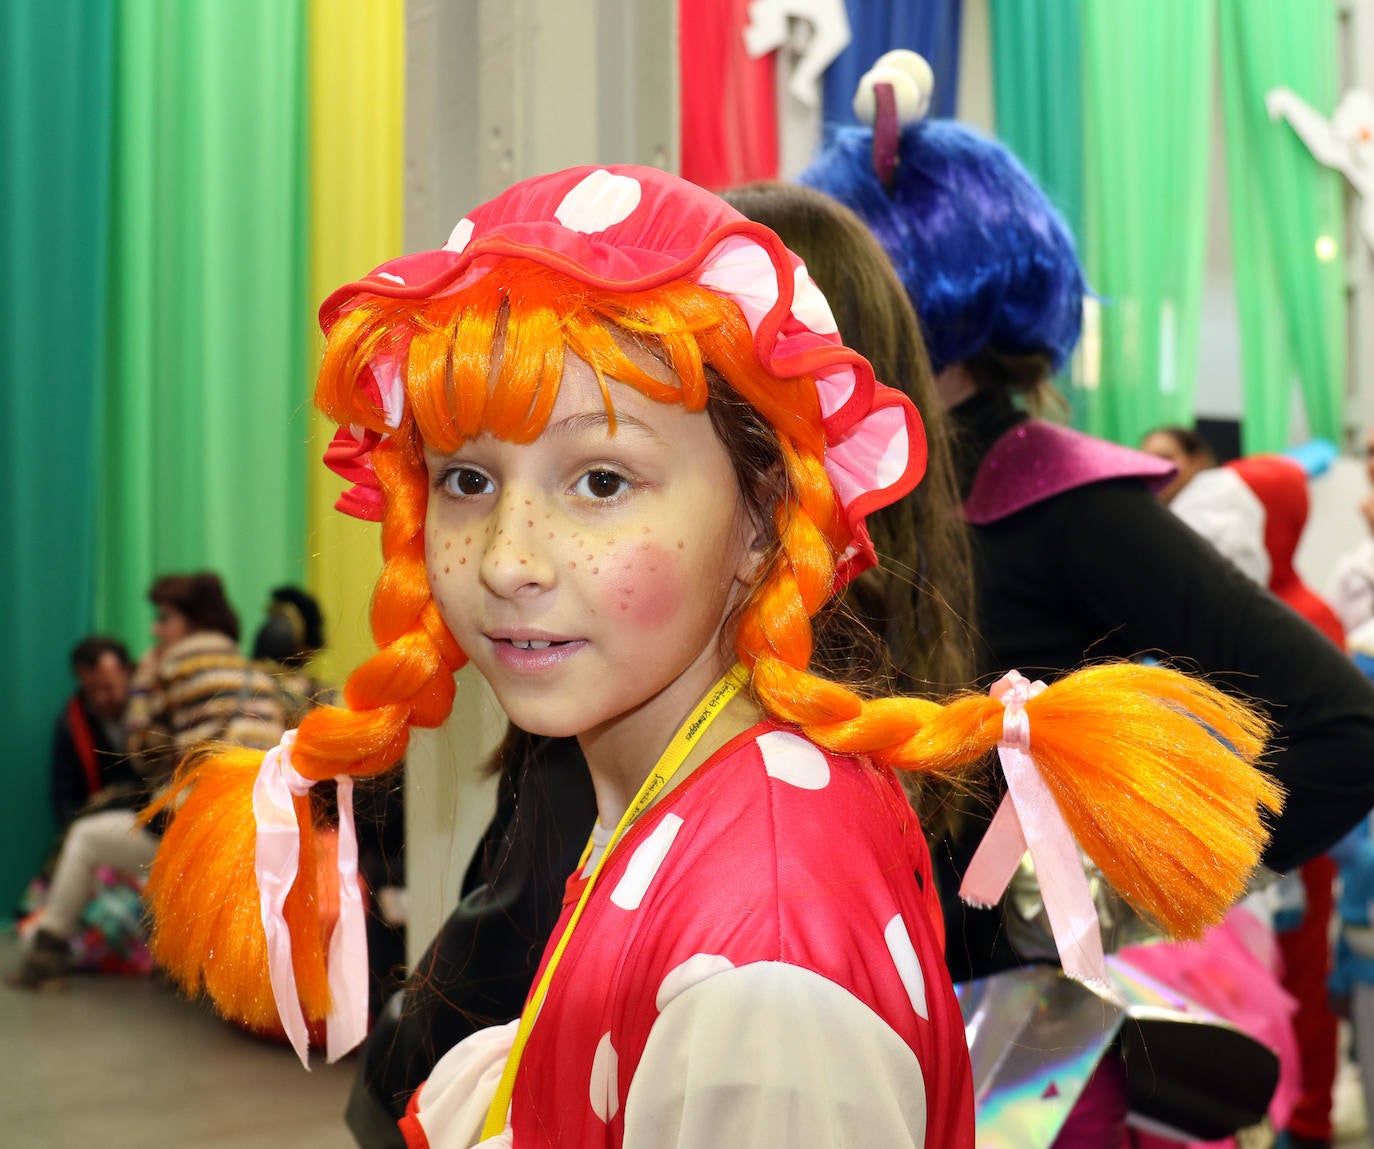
column 602, row 484
column 465, row 481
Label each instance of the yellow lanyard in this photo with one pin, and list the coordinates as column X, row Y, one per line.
column 664, row 769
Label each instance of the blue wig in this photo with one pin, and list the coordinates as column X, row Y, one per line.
column 984, row 256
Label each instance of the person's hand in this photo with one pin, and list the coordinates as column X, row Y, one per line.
column 1367, row 509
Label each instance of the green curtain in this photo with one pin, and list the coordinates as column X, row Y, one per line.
column 1285, row 208
column 54, row 156
column 205, row 425
column 1147, row 91
column 1037, row 68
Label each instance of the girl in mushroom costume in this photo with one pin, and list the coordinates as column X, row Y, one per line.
column 622, row 458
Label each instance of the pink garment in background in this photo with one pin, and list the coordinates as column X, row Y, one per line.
column 729, row 129
column 1233, row 970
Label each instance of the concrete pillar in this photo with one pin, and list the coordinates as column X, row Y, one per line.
column 498, row 90
column 1357, row 41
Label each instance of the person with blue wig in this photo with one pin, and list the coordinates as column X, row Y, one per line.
column 1074, row 557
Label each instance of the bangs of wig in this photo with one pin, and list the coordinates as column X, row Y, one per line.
column 489, row 357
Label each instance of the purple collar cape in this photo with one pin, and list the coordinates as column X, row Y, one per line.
column 1035, row 461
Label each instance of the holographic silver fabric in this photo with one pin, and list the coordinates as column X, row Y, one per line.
column 1035, row 1036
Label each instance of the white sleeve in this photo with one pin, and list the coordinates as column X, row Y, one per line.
column 453, row 1102
column 1219, row 506
column 771, row 1054
column 1352, row 595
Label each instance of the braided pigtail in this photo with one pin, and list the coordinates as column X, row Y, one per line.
column 409, row 681
column 203, row 890
column 1153, row 771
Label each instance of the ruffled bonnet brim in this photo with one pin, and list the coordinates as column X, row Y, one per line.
column 630, row 229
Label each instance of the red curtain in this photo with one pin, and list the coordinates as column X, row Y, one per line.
column 728, row 101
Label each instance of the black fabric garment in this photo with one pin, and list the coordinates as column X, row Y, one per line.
column 68, row 785
column 379, row 815
column 478, row 970
column 1106, row 571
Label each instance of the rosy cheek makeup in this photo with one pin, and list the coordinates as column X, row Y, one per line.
column 644, row 585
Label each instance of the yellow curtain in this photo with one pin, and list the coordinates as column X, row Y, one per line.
column 357, row 119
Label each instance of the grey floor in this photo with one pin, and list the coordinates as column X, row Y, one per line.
column 121, row 1063
column 124, row 1062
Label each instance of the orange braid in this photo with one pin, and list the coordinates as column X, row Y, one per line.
column 202, row 890
column 1137, row 757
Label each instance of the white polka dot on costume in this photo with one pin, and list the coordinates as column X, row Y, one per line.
column 907, row 963
column 693, row 971
column 810, row 306
column 604, row 1086
column 390, row 276
column 600, row 201
column 644, row 864
column 792, row 759
column 459, row 236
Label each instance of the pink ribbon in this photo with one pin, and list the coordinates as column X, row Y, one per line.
column 1029, row 818
column 277, row 863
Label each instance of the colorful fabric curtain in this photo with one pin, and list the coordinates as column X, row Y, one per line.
column 183, row 184
column 54, row 162
column 207, row 373
column 356, row 207
column 1037, row 68
column 1287, row 227
column 1147, row 91
column 728, row 100
column 930, row 27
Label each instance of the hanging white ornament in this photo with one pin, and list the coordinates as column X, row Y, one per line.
column 1345, row 142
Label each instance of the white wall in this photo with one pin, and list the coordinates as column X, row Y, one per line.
column 1218, row 363
column 973, row 101
column 1357, row 43
column 1335, row 524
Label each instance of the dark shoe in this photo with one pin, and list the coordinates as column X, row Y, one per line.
column 1289, row 1140
column 45, row 965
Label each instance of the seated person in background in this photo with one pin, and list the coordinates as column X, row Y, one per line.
column 1352, row 596
column 88, row 759
column 290, row 636
column 1187, row 450
column 1213, row 500
column 193, row 685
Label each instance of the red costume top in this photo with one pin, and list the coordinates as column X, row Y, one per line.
column 1281, row 487
column 760, row 963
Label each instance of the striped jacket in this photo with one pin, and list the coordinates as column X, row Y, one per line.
column 204, row 688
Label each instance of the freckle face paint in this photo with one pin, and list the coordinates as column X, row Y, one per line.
column 645, row 588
